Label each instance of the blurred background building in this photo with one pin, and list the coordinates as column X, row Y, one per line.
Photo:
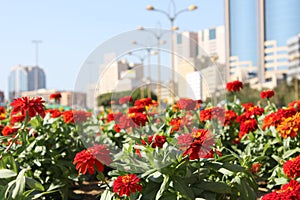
column 257, row 35
column 25, row 78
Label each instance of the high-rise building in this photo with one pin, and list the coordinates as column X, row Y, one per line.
column 212, row 42
column 256, row 33
column 293, row 45
column 2, row 97
column 25, row 78
column 191, row 48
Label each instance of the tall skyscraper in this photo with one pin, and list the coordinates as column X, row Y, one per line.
column 212, row 41
column 256, row 37
column 25, row 78
column 294, row 57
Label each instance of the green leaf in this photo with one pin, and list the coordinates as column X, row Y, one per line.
column 181, row 186
column 20, row 185
column 107, row 195
column 216, row 187
column 6, row 173
column 289, row 153
column 234, row 167
column 163, row 187
column 34, row 184
column 225, row 171
column 226, row 158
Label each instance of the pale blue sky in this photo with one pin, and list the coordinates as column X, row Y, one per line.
column 72, row 29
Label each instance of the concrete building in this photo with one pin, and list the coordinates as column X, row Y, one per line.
column 293, row 46
column 76, row 100
column 256, row 33
column 2, row 98
column 212, row 41
column 25, row 78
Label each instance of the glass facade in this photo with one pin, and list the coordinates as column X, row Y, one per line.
column 282, row 20
column 243, row 30
column 23, row 79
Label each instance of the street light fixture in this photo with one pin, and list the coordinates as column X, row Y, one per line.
column 171, row 17
column 158, row 36
column 148, row 49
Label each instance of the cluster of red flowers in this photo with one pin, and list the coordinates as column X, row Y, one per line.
column 291, row 168
column 9, row 130
column 267, row 94
column 289, row 191
column 155, row 141
column 186, row 104
column 125, row 99
column 212, row 113
column 33, row 106
column 127, row 184
column 234, row 86
column 289, row 127
column 95, row 156
column 275, row 118
column 145, row 102
column 55, row 96
column 75, row 116
column 2, row 113
column 197, row 144
column 230, row 117
column 255, row 168
column 54, row 113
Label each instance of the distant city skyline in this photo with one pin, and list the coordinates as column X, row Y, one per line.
column 71, row 30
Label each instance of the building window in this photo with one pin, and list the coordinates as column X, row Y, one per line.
column 179, row 39
column 212, row 34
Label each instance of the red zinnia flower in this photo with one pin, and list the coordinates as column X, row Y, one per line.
column 291, row 168
column 158, row 140
column 255, row 168
column 234, row 86
column 249, row 125
column 114, row 116
column 136, row 109
column 127, row 184
column 186, row 104
column 197, row 144
column 230, row 116
column 34, row 106
column 289, row 127
column 211, row 154
column 267, row 94
column 145, row 102
column 95, row 156
column 54, row 113
column 55, row 96
column 117, row 128
column 8, row 130
column 125, row 99
column 139, row 119
column 17, row 118
column 289, row 191
column 75, row 116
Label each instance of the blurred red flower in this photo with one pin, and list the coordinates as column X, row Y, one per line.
column 289, row 191
column 157, row 140
column 17, row 118
column 88, row 159
column 55, row 96
column 34, row 106
column 234, row 86
column 291, row 168
column 114, row 116
column 75, row 116
column 230, row 116
column 8, row 130
column 54, row 113
column 136, row 109
column 267, row 94
column 255, row 168
column 127, row 184
column 145, row 102
column 186, row 104
column 125, row 99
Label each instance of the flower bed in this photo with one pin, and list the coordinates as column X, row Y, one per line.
column 137, row 151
